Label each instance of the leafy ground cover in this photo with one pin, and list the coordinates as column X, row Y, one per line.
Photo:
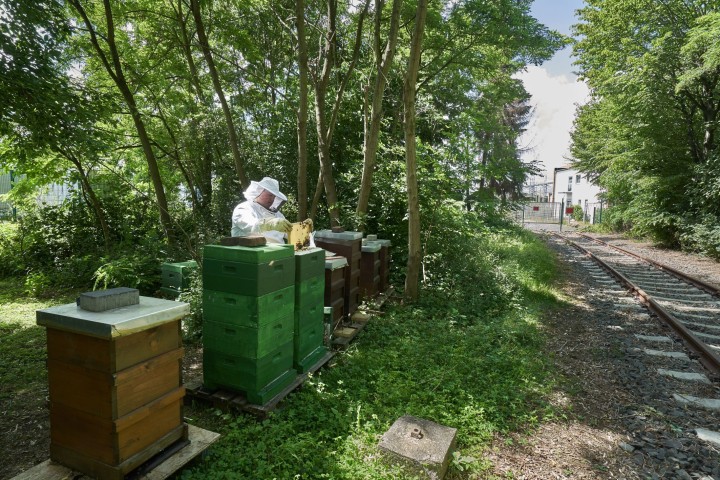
column 480, row 373
column 469, row 355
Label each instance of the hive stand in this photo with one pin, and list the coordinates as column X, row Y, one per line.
column 227, row 400
column 159, row 467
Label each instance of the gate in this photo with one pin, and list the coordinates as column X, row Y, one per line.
column 542, row 215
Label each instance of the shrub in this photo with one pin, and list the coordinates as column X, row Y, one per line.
column 578, row 214
column 10, row 250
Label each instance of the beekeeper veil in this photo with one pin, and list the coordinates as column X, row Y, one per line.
column 269, row 184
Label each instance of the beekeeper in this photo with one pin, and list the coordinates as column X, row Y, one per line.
column 259, row 213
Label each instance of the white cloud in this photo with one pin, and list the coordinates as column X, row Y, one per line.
column 554, row 98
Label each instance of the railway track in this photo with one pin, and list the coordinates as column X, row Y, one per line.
column 688, row 305
column 681, row 383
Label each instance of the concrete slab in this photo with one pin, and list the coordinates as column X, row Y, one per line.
column 422, row 445
column 706, row 336
column 689, row 376
column 663, row 353
column 708, row 436
column 650, row 338
column 709, row 403
column 102, row 300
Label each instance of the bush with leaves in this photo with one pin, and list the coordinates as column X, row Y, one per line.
column 10, row 247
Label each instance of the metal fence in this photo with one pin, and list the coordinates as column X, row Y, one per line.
column 53, row 194
column 539, row 212
column 6, row 209
column 594, row 212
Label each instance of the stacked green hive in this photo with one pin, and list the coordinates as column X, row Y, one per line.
column 176, row 277
column 248, row 325
column 309, row 308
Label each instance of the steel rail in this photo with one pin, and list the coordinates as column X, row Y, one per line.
column 706, row 356
column 702, row 285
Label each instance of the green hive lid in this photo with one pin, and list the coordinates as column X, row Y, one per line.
column 149, row 313
column 338, row 236
column 333, row 263
column 261, row 254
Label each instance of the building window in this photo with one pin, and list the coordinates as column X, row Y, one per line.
column 577, row 178
column 570, row 183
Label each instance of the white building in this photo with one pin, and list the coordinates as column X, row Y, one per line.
column 52, row 194
column 575, row 188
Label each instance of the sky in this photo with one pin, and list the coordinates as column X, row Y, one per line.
column 555, row 91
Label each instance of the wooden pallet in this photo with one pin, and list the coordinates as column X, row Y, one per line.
column 344, row 334
column 227, row 400
column 160, row 467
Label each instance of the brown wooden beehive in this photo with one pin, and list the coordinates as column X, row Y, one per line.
column 116, row 391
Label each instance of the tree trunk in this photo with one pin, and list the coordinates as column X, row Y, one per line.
column 414, row 253
column 92, row 200
column 187, row 52
column 232, row 135
column 373, row 132
column 324, row 126
column 302, row 113
column 116, row 73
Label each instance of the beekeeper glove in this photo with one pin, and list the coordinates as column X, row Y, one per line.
column 279, row 224
column 309, row 223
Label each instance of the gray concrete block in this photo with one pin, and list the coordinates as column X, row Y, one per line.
column 423, row 446
column 103, row 300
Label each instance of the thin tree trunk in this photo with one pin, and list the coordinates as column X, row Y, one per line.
column 92, row 199
column 316, row 197
column 187, row 52
column 373, row 132
column 414, row 252
column 116, row 73
column 324, row 126
column 232, row 135
column 302, row 113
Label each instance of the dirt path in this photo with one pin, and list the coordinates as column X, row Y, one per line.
column 621, row 423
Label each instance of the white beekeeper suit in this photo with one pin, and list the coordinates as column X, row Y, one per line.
column 252, row 217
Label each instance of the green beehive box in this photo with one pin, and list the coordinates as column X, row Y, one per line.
column 263, row 254
column 273, row 388
column 310, row 297
column 310, row 288
column 176, row 276
column 248, row 311
column 311, row 359
column 246, row 374
column 253, row 279
column 250, row 342
column 309, row 263
column 307, row 340
column 312, row 313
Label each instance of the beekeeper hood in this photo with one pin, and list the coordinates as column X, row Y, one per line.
column 269, row 184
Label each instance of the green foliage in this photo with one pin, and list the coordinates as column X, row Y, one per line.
column 139, row 270
column 578, row 214
column 10, row 258
column 650, row 133
column 702, row 237
column 476, row 367
column 192, row 323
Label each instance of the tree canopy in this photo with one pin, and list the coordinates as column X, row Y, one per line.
column 650, row 131
column 175, row 105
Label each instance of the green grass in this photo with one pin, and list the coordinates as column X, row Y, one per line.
column 22, row 342
column 482, row 374
column 466, row 361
